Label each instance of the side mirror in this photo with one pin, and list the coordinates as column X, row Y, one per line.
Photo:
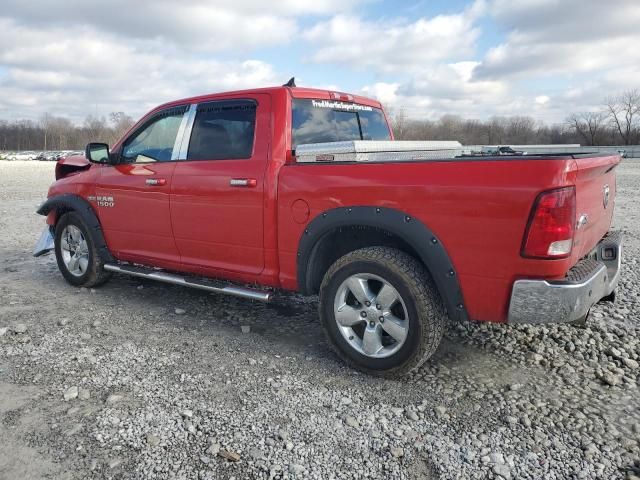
column 97, row 153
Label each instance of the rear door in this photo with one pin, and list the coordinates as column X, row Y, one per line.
column 217, row 193
column 133, row 196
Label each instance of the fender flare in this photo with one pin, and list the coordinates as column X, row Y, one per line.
column 430, row 249
column 69, row 202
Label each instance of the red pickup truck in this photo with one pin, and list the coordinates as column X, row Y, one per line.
column 302, row 189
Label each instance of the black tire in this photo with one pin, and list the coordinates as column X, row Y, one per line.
column 95, row 274
column 426, row 311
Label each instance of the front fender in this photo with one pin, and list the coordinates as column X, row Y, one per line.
column 68, row 202
column 65, row 202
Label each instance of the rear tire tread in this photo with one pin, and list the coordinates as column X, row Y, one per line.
column 428, row 303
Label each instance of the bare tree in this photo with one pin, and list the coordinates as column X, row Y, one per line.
column 96, row 128
column 620, row 119
column 59, row 133
column 520, row 129
column 121, row 122
column 624, row 110
column 45, row 123
column 398, row 121
column 588, row 125
column 61, row 129
column 495, row 130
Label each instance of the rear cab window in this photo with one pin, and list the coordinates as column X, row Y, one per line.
column 319, row 121
column 223, row 130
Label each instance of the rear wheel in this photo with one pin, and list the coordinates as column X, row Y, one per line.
column 76, row 254
column 381, row 311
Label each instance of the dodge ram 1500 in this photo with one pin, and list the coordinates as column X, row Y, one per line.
column 289, row 188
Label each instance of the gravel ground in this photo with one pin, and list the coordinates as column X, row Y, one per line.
column 145, row 380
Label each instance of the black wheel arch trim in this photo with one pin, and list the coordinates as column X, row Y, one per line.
column 68, row 202
column 430, row 249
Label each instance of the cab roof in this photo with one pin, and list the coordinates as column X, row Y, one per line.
column 295, row 92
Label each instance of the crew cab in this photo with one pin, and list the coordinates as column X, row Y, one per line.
column 287, row 188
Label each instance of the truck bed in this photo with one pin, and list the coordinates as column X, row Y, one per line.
column 479, row 206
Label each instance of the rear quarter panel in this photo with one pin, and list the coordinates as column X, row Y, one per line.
column 478, row 208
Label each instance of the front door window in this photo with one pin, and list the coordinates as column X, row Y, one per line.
column 155, row 141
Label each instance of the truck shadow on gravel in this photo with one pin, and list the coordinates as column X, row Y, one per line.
column 289, row 323
column 290, row 326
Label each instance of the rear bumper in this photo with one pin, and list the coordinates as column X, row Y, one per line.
column 590, row 280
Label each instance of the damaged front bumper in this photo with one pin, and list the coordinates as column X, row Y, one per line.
column 45, row 243
column 589, row 281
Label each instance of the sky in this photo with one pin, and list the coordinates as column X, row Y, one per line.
column 472, row 58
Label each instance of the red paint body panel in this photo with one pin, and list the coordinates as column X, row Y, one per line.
column 490, row 202
column 219, row 228
column 137, row 224
column 196, row 222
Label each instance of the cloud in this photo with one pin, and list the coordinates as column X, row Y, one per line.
column 202, row 25
column 566, row 20
column 445, row 89
column 75, row 57
column 554, row 59
column 551, row 58
column 385, row 93
column 547, row 37
column 387, row 45
column 430, row 63
column 50, row 70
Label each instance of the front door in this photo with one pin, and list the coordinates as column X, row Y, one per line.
column 217, row 193
column 133, row 196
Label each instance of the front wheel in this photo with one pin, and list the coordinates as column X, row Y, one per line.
column 76, row 253
column 381, row 312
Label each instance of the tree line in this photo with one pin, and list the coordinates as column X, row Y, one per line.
column 54, row 133
column 616, row 122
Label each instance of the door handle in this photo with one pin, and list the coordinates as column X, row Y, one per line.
column 243, row 182
column 155, row 182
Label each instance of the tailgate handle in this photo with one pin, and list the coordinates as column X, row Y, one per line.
column 243, row 182
column 155, row 182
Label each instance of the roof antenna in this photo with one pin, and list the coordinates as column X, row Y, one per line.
column 291, row 82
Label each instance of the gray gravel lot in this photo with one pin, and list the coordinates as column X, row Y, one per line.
column 145, row 380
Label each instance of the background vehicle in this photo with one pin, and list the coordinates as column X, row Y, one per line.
column 48, row 156
column 28, row 155
column 276, row 187
column 62, row 154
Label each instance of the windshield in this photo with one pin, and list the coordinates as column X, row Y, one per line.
column 318, row 121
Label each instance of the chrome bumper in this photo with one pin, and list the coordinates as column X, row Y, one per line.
column 45, row 243
column 589, row 281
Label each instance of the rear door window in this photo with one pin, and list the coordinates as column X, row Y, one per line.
column 319, row 121
column 223, row 130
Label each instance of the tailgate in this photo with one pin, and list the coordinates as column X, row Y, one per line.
column 595, row 197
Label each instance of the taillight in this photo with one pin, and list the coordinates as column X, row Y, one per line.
column 551, row 225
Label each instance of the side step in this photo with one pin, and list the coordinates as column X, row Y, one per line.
column 202, row 284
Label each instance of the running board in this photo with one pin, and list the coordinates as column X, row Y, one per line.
column 202, row 284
